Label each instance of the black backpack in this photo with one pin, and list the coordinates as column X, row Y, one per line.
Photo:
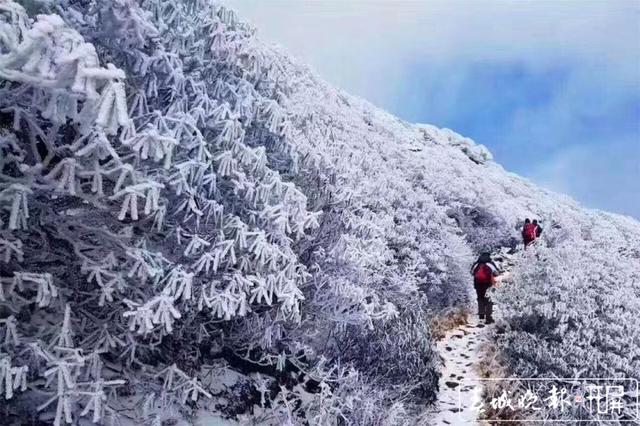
column 485, row 258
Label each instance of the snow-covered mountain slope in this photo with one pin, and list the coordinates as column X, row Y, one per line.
column 182, row 203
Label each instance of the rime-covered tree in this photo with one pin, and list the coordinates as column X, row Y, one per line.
column 153, row 203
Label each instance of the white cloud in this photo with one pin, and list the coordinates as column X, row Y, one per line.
column 363, row 45
column 601, row 177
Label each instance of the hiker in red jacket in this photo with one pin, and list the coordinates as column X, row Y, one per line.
column 484, row 273
column 529, row 232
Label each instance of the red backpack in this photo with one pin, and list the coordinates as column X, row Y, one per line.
column 483, row 274
column 529, row 231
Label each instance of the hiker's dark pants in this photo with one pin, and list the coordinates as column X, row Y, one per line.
column 485, row 305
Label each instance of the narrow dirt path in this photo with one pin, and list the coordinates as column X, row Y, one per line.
column 460, row 385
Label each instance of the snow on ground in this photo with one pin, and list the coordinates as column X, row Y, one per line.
column 205, row 418
column 460, row 384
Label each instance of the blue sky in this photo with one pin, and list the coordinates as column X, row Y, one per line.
column 551, row 87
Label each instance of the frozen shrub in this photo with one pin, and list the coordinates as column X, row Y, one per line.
column 159, row 208
column 484, row 229
column 572, row 310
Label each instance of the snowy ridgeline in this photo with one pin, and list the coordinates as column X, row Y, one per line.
column 181, row 204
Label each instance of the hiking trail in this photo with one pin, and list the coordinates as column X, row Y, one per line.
column 460, row 350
